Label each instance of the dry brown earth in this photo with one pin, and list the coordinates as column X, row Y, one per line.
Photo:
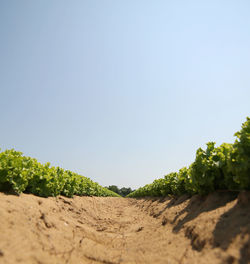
column 211, row 229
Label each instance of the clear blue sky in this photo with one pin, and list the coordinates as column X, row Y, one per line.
column 122, row 91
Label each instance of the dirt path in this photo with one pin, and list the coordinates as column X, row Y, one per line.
column 214, row 229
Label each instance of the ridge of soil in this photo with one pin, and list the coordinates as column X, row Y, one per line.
column 209, row 229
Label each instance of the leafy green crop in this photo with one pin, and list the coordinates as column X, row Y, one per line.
column 19, row 173
column 226, row 167
column 207, row 172
column 239, row 164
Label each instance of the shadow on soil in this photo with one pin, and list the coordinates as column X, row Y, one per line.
column 232, row 223
column 199, row 204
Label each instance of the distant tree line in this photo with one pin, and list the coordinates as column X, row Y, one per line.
column 123, row 191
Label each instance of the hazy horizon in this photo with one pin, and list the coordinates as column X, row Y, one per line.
column 122, row 92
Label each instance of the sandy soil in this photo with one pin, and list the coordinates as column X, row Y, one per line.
column 211, row 229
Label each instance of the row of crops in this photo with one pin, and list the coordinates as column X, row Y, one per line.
column 24, row 174
column 226, row 167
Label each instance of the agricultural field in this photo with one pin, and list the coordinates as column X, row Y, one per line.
column 125, row 132
column 199, row 215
